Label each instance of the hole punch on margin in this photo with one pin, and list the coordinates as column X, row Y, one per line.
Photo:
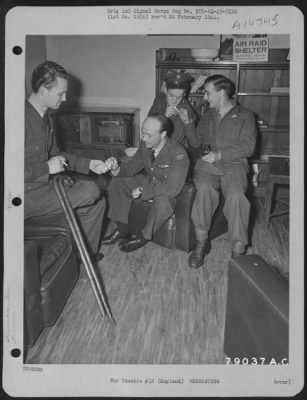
column 17, row 50
column 15, row 353
column 16, row 201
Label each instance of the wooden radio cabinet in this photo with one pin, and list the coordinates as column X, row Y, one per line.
column 97, row 133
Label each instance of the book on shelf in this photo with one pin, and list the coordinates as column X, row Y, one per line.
column 277, row 90
column 265, row 157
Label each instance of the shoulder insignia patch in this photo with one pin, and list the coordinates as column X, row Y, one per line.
column 179, row 157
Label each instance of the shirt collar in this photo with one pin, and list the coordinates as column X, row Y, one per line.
column 219, row 116
column 159, row 148
column 36, row 109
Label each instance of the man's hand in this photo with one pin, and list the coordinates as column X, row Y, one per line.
column 137, row 192
column 212, row 157
column 170, row 111
column 56, row 164
column 112, row 165
column 98, row 166
column 184, row 116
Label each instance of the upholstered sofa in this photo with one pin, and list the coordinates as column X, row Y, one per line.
column 51, row 270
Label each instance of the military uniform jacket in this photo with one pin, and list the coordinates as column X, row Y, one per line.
column 184, row 133
column 40, row 146
column 166, row 174
column 234, row 136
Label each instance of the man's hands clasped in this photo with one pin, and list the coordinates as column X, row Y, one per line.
column 181, row 112
column 58, row 164
column 101, row 167
column 98, row 166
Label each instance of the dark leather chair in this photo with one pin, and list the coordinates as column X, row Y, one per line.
column 51, row 270
column 178, row 231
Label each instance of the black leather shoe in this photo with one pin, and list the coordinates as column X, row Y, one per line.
column 114, row 237
column 197, row 257
column 132, row 244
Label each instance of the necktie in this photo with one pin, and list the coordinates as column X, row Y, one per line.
column 152, row 156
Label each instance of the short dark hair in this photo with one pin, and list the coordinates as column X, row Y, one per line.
column 45, row 75
column 221, row 82
column 165, row 123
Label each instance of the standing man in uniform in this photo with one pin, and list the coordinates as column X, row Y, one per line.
column 230, row 131
column 43, row 159
column 173, row 104
column 166, row 165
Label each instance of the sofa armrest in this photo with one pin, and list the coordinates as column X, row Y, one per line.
column 46, row 226
column 33, row 321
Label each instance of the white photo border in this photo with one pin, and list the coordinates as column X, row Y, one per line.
column 94, row 380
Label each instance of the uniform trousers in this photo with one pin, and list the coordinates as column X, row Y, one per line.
column 84, row 197
column 233, row 185
column 120, row 199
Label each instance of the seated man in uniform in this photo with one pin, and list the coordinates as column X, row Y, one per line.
column 166, row 165
column 228, row 131
column 43, row 159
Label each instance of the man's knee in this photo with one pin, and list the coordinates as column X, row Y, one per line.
column 90, row 191
column 204, row 188
column 94, row 191
column 236, row 197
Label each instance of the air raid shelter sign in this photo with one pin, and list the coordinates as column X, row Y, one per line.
column 250, row 49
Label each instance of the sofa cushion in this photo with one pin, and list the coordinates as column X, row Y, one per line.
column 50, row 250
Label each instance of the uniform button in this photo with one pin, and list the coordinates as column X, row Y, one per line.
column 154, row 178
column 36, row 147
column 151, row 169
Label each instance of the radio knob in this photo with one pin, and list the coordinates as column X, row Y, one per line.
column 120, row 140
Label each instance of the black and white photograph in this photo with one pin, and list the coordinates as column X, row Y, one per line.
column 154, row 223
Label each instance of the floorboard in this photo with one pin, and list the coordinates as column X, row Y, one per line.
column 165, row 312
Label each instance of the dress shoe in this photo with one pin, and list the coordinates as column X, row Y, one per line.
column 197, row 257
column 133, row 244
column 114, row 237
column 238, row 248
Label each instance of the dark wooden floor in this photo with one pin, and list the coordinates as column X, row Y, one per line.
column 165, row 312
